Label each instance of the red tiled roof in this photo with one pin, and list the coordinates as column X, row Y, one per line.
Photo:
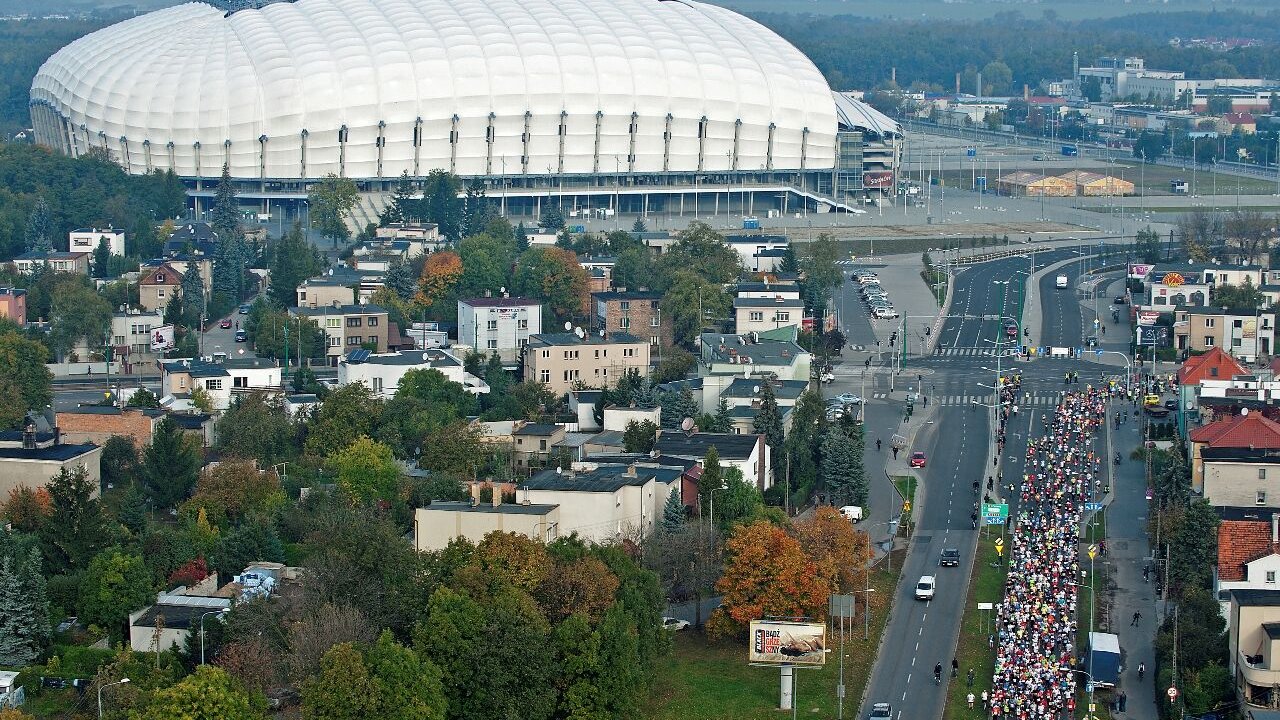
column 1251, row 431
column 1200, row 367
column 1239, row 118
column 1240, row 542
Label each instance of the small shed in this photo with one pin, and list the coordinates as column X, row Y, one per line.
column 1025, row 183
column 1094, row 184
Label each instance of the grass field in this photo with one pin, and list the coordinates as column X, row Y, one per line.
column 987, row 585
column 703, row 680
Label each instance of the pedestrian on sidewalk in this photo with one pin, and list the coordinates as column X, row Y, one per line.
column 1122, row 701
column 877, row 444
column 895, row 452
column 1137, row 617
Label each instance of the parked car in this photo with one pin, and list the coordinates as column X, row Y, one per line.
column 885, row 313
column 674, row 624
column 225, row 324
column 881, row 711
column 925, row 588
column 848, row 399
column 1172, row 405
column 918, row 459
column 1119, row 300
column 852, row 513
column 950, row 557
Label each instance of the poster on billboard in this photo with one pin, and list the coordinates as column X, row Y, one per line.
column 1250, row 329
column 775, row 642
column 1139, row 272
column 1147, row 317
column 1157, row 335
column 161, row 338
column 877, row 179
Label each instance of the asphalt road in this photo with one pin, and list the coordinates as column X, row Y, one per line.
column 957, row 436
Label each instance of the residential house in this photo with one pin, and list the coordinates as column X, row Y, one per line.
column 768, row 288
column 29, row 458
column 382, row 372
column 1254, row 647
column 1244, row 333
column 419, row 238
column 65, row 262
column 376, row 261
column 1233, row 460
column 690, row 471
column 130, row 336
column 635, row 312
column 498, row 324
column 582, row 404
column 441, row 522
column 747, row 452
column 618, row 418
column 1218, row 399
column 86, row 240
column 1242, row 121
column 348, row 327
column 220, row 380
column 603, row 503
column 599, row 271
column 98, row 423
column 1166, row 289
column 325, row 290
column 158, row 285
column 534, row 442
column 724, row 358
column 13, row 305
column 169, row 622
column 758, row 252
column 1214, row 365
column 300, row 404
column 742, row 396
column 1248, row 552
column 764, row 314
column 558, row 360
column 197, row 238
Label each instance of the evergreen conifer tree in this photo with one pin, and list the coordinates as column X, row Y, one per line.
column 672, row 514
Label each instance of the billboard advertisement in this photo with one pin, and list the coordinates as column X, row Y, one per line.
column 1157, row 335
column 877, row 179
column 1250, row 329
column 1147, row 317
column 161, row 338
column 776, row 642
column 1139, row 272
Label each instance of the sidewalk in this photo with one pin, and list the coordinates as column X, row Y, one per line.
column 1128, row 553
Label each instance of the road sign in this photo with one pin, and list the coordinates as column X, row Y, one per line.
column 999, row 542
column 971, row 152
column 992, row 520
column 1000, row 550
column 1098, row 353
column 906, row 506
column 1092, row 506
column 1000, row 510
column 1093, row 551
column 986, row 606
column 1172, row 692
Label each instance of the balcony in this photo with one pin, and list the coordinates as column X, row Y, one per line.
column 1257, row 674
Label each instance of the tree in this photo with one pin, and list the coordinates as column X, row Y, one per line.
column 27, row 509
column 245, row 544
column 552, row 219
column 703, row 251
column 638, row 226
column 400, row 280
column 171, row 464
column 768, row 419
column 672, row 513
column 1248, row 233
column 639, row 437
column 1148, row 247
column 194, row 298
column 456, row 449
column 114, row 585
column 839, row 553
column 13, row 407
column 487, row 259
column 676, row 406
column 712, row 478
column 39, row 235
column 101, row 257
column 292, row 261
column 522, row 238
column 440, row 273
column 24, row 605
column 234, row 489
column 688, row 295
column 1246, row 295
column 343, row 689
column 330, row 201
column 403, row 207
column 207, row 694
column 78, row 313
column 766, row 573
column 143, row 398
column 821, row 273
column 76, row 529
column 366, row 470
column 740, row 500
column 348, row 413
column 433, row 388
column 997, row 78
column 841, row 468
column 22, row 362
column 553, row 274
column 321, row 629
column 477, row 209
column 441, row 204
column 224, row 218
column 256, row 427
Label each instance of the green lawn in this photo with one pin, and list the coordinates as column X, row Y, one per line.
column 973, row 651
column 906, row 485
column 702, row 680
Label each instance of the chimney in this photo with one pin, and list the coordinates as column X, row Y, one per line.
column 957, row 83
column 497, row 494
column 631, row 470
column 475, row 494
column 1026, row 92
column 488, row 293
column 1275, row 527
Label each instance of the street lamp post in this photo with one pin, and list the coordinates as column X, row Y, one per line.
column 221, row 611
column 712, row 494
column 121, row 681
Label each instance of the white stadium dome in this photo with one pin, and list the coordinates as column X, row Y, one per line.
column 371, row 88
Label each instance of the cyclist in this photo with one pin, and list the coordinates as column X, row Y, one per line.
column 937, row 674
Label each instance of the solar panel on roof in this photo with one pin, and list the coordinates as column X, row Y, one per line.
column 358, row 356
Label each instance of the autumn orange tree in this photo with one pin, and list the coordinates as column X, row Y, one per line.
column 555, row 275
column 27, row 508
column 839, row 553
column 766, row 572
column 440, row 273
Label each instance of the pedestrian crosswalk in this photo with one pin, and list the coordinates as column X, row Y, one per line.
column 1028, row 399
column 970, row 352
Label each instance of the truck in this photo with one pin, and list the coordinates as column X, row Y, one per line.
column 1104, row 659
column 1060, row 282
column 1070, row 150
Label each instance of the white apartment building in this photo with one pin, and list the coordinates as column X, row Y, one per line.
column 86, row 240
column 498, row 324
column 220, row 380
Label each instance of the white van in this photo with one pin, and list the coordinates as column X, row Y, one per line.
column 1061, row 282
column 852, row 513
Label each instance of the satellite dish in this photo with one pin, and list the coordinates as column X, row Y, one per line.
column 1244, row 411
column 558, row 470
column 755, row 390
column 601, row 333
column 686, row 424
column 502, row 289
column 580, row 333
column 568, row 326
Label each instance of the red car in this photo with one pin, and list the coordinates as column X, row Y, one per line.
column 225, row 324
column 918, row 459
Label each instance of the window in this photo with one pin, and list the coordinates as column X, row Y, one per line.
column 523, row 324
column 625, row 305
column 213, row 384
column 653, row 339
column 757, row 316
column 333, row 322
column 542, row 444
column 119, row 340
column 1271, row 576
column 302, row 296
column 1237, row 323
column 377, row 385
column 1262, row 473
column 626, row 323
column 492, row 345
column 544, row 376
column 335, row 341
column 354, row 321
column 546, row 353
column 1235, row 342
column 628, row 352
column 597, row 353
column 1260, row 497
column 653, row 321
column 354, row 340
column 782, row 316
column 240, row 381
column 1208, row 341
column 1208, row 322
column 159, row 292
column 491, row 325
column 160, row 277
column 521, row 343
column 373, row 322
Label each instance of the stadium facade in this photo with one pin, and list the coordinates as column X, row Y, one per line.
column 639, row 105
